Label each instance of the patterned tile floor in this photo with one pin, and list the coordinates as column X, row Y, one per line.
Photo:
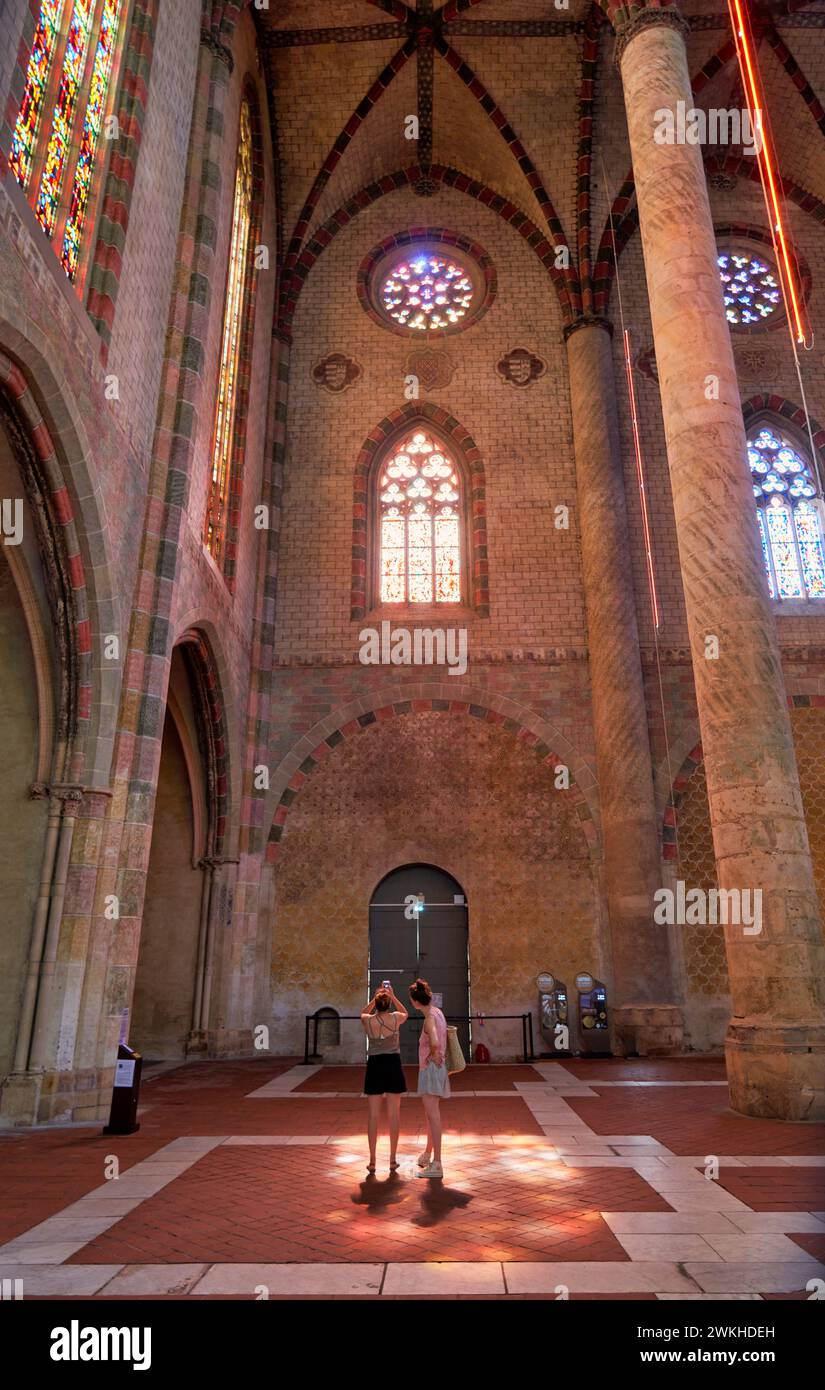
column 584, row 1177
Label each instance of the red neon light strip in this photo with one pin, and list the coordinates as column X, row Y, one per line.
column 750, row 77
column 651, row 577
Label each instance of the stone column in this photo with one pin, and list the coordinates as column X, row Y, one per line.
column 776, row 1039
column 646, row 1018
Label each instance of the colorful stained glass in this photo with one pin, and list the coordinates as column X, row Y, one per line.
column 809, row 540
column 750, row 290
column 763, row 538
column 57, row 150
column 24, row 138
column 427, row 291
column 101, row 73
column 783, row 550
column 790, row 528
column 233, row 323
column 418, row 491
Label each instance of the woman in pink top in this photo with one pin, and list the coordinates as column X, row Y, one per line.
column 433, row 1081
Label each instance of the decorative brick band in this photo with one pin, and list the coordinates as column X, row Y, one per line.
column 398, row 708
column 401, row 240
column 63, row 566
column 470, row 462
column 785, row 410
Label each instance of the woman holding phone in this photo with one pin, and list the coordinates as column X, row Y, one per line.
column 384, row 1080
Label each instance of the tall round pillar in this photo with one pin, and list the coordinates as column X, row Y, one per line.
column 647, row 1019
column 776, row 1039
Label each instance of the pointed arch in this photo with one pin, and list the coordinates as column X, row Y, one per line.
column 62, row 563
column 470, row 460
column 212, row 735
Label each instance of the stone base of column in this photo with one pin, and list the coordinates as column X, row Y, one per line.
column 648, row 1030
column 54, row 1097
column 197, row 1044
column 20, row 1099
column 778, row 1072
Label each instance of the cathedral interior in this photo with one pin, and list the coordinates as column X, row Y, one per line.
column 412, row 434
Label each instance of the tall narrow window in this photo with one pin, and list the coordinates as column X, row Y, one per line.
column 788, row 516
column 57, row 138
column 419, row 498
column 233, row 331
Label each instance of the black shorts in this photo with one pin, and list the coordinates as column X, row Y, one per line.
column 385, row 1075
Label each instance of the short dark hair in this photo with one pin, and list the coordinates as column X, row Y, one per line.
column 383, row 1001
column 421, row 993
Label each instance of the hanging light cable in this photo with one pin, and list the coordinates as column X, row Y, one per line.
column 768, row 169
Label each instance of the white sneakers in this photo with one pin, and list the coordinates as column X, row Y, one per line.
column 429, row 1170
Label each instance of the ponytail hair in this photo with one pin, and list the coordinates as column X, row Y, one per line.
column 421, row 993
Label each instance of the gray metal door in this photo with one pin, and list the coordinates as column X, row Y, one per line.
column 432, row 943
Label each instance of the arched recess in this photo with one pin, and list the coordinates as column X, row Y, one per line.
column 61, row 563
column 452, row 786
column 411, row 177
column 468, row 457
column 178, row 954
column 36, row 717
column 294, row 771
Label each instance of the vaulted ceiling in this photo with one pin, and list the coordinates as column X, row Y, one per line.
column 517, row 96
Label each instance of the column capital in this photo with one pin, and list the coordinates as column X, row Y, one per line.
column 634, row 21
column 210, row 41
column 588, row 321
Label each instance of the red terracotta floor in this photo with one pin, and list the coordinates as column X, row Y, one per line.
column 506, row 1196
column 277, row 1205
column 777, row 1189
column 482, row 1078
column 693, row 1120
column 639, row 1069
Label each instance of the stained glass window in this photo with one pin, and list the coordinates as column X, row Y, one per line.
column 427, row 291
column 420, row 524
column 57, row 149
column 788, row 515
column 26, row 129
column 93, row 120
column 233, row 326
column 750, row 289
column 56, row 140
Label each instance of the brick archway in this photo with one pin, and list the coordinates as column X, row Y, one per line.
column 62, row 559
column 473, row 464
column 293, row 779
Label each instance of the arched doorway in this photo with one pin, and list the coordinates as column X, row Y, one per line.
column 432, row 943
column 172, row 983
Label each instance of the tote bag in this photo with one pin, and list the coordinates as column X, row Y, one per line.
column 455, row 1057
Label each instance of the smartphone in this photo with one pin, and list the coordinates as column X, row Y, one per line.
column 385, row 984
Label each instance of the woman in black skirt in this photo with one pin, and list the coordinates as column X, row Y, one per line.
column 382, row 1019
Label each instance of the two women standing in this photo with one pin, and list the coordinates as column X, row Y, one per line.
column 382, row 1020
